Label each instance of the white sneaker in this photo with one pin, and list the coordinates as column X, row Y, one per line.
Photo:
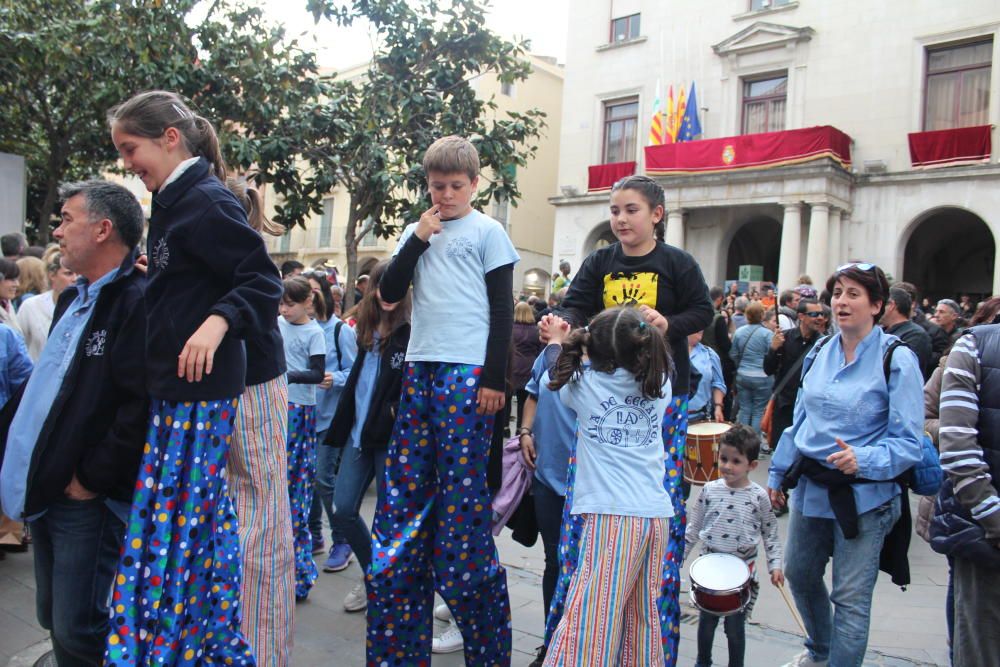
column 449, row 641
column 357, row 599
column 804, row 660
column 442, row 613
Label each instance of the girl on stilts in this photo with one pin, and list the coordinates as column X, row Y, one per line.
column 211, row 283
column 305, row 353
column 258, row 480
column 666, row 285
column 610, row 617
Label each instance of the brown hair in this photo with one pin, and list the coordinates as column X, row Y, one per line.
column 250, row 199
column 524, row 313
column 34, row 277
column 369, row 312
column 616, row 338
column 986, row 312
column 452, row 154
column 298, row 290
column 149, row 115
column 872, row 280
column 754, row 312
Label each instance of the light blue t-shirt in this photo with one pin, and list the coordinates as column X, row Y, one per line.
column 619, row 452
column 367, row 379
column 327, row 399
column 301, row 342
column 706, row 361
column 554, row 425
column 451, row 311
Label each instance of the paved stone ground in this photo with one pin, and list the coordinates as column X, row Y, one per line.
column 908, row 628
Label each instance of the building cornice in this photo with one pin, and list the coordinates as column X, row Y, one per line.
column 776, row 36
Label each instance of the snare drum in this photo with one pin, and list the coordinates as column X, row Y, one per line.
column 701, row 463
column 720, row 584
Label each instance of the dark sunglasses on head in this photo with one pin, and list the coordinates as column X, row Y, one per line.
column 856, row 265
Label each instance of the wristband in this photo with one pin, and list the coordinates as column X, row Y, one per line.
column 525, row 431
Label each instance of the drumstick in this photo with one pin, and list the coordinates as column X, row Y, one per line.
column 795, row 613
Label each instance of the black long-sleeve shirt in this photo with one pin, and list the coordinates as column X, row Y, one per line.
column 779, row 362
column 666, row 279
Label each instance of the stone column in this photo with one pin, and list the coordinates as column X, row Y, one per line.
column 818, row 244
column 675, row 228
column 835, row 256
column 791, row 239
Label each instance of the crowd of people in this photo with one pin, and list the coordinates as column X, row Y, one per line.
column 176, row 504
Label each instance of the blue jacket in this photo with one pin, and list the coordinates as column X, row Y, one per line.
column 204, row 259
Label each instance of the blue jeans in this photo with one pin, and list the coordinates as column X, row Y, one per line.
column 327, row 460
column 76, row 546
column 358, row 467
column 752, row 394
column 841, row 638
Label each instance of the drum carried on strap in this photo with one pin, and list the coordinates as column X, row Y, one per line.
column 701, row 462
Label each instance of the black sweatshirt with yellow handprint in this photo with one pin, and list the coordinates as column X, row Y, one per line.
column 667, row 279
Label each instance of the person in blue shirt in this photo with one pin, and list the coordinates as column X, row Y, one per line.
column 547, row 434
column 753, row 386
column 341, row 350
column 848, row 418
column 305, row 354
column 706, row 401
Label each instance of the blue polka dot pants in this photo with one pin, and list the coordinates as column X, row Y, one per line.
column 177, row 593
column 674, row 436
column 301, row 478
column 433, row 528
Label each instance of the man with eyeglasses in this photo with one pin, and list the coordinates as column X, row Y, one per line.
column 896, row 321
column 784, row 360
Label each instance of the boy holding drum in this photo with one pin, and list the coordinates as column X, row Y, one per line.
column 731, row 516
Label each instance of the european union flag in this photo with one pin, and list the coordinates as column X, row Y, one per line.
column 690, row 125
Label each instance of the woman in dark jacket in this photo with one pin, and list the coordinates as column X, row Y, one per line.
column 527, row 347
column 365, row 416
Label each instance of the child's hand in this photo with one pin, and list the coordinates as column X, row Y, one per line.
column 777, row 577
column 195, row 360
column 558, row 329
column 490, row 401
column 429, row 224
column 528, row 452
column 654, row 318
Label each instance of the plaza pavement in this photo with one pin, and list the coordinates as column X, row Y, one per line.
column 908, row 628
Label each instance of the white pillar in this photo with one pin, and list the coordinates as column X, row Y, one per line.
column 835, row 257
column 675, row 228
column 791, row 239
column 818, row 244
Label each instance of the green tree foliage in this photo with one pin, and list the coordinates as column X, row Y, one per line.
column 372, row 137
column 64, row 63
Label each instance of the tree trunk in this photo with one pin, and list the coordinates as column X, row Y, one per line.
column 57, row 159
column 351, row 250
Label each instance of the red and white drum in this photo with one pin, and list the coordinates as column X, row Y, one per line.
column 701, row 460
column 720, row 584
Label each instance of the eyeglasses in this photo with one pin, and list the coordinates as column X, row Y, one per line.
column 815, row 315
column 856, row 265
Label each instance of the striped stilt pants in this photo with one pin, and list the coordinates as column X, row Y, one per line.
column 258, row 485
column 610, row 617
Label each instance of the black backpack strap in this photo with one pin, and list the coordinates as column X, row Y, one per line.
column 887, row 357
column 336, row 342
column 814, row 352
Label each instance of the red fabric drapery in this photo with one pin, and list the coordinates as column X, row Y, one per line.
column 603, row 176
column 750, row 151
column 949, row 148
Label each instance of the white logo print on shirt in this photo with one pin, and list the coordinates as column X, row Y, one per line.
column 631, row 423
column 397, row 360
column 94, row 346
column 460, row 247
column 161, row 254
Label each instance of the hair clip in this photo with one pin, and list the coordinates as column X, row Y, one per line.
column 180, row 111
column 642, row 324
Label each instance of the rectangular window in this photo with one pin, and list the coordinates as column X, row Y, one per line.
column 500, row 209
column 507, row 89
column 757, row 5
column 621, row 121
column 764, row 104
column 624, row 28
column 369, row 240
column 957, row 89
column 326, row 224
column 285, row 242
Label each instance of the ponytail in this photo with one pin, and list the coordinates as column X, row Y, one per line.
column 651, row 360
column 149, row 115
column 253, row 204
column 570, row 362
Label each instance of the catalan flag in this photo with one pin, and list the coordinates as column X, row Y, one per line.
column 657, row 131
